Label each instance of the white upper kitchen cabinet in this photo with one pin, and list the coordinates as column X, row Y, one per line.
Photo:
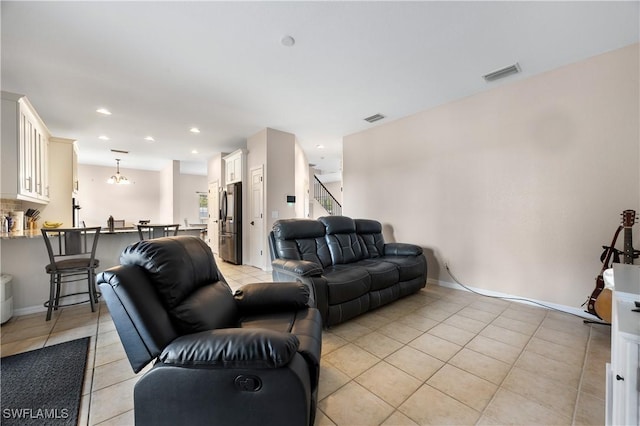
column 233, row 166
column 25, row 156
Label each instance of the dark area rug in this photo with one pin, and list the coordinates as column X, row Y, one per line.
column 44, row 386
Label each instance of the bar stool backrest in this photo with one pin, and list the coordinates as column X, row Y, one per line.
column 70, row 242
column 148, row 232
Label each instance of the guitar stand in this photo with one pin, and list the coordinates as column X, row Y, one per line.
column 594, row 321
column 586, row 321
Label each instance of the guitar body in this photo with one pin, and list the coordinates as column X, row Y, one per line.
column 603, row 305
column 593, row 299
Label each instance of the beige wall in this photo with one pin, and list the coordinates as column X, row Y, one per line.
column 517, row 188
column 302, row 182
column 169, row 201
column 140, row 200
column 98, row 199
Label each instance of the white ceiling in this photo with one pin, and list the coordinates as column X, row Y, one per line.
column 163, row 67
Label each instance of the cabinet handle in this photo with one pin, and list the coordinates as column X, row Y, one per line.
column 619, row 377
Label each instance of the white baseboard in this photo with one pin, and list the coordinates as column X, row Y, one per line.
column 533, row 302
column 29, row 310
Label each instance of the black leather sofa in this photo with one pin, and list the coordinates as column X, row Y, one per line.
column 346, row 264
column 249, row 358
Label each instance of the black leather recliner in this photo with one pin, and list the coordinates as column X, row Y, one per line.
column 218, row 358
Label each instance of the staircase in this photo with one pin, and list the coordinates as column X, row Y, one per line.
column 325, row 198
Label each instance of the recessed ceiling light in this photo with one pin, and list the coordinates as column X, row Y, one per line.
column 194, row 151
column 288, row 41
column 103, row 137
column 320, row 146
column 103, row 111
column 194, row 130
column 149, row 139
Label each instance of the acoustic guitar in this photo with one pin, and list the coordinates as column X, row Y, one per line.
column 600, row 300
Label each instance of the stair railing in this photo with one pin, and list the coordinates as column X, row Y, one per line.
column 326, row 198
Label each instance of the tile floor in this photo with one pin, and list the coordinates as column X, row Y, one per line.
column 440, row 356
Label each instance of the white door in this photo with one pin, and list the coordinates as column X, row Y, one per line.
column 214, row 214
column 257, row 248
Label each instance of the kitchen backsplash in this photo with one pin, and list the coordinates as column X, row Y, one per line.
column 7, row 205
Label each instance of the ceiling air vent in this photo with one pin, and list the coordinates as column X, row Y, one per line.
column 502, row 72
column 119, row 151
column 374, row 118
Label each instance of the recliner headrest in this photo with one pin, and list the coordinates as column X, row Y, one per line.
column 368, row 226
column 289, row 229
column 177, row 266
column 338, row 224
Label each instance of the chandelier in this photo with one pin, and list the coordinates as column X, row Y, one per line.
column 118, row 178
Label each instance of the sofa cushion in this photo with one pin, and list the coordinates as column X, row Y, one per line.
column 384, row 296
column 209, row 307
column 409, row 267
column 347, row 310
column 292, row 229
column 344, row 244
column 382, row 274
column 338, row 225
column 344, row 248
column 370, row 233
column 301, row 239
column 175, row 266
column 346, row 282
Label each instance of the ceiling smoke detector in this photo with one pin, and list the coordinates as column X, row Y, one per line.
column 502, row 72
column 288, row 41
column 374, row 118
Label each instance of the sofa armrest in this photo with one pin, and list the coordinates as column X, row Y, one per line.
column 402, row 249
column 232, row 348
column 261, row 297
column 303, row 268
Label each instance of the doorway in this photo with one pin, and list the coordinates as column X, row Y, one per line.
column 214, row 215
column 256, row 220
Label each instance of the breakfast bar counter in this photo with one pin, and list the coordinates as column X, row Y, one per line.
column 23, row 255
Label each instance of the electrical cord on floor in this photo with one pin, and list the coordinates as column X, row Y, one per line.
column 446, row 265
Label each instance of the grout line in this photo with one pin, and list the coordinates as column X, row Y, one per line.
column 93, row 364
column 584, row 366
column 513, row 365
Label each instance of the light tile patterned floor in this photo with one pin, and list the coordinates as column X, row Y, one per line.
column 440, row 356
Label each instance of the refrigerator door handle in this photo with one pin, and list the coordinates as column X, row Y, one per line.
column 223, row 212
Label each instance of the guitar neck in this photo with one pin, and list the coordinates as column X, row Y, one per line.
column 628, row 246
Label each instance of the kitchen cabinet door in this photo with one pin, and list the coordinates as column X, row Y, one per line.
column 25, row 142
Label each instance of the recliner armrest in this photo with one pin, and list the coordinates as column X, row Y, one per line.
column 279, row 296
column 402, row 249
column 303, row 268
column 232, row 348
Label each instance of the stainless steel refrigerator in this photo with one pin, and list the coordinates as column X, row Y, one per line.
column 230, row 224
